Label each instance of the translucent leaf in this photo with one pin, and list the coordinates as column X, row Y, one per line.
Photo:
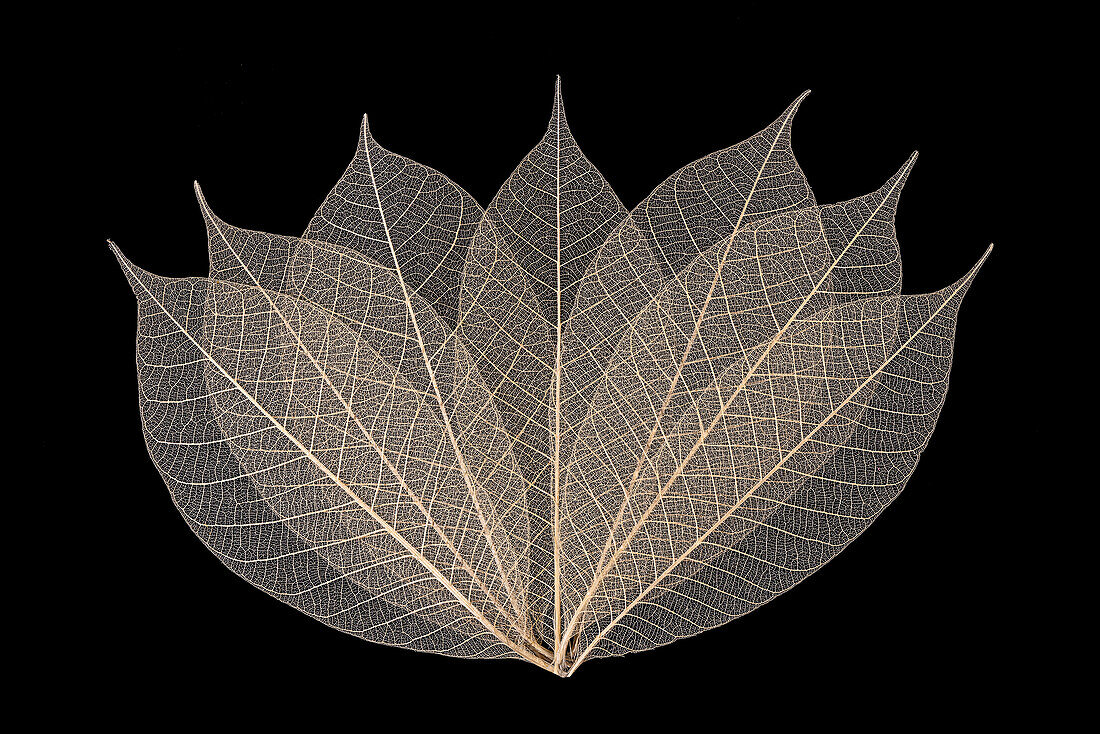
column 554, row 430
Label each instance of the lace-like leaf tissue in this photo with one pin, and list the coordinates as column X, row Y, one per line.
column 553, row 429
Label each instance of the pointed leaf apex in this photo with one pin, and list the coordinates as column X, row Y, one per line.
column 978, row 265
column 207, row 214
column 785, row 119
column 118, row 254
column 364, row 133
column 890, row 191
column 962, row 285
column 557, row 116
column 907, row 166
column 894, row 185
column 130, row 270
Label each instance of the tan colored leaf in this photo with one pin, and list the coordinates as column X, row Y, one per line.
column 554, row 430
column 522, row 275
column 395, row 210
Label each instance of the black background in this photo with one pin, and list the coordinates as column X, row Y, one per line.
column 923, row 611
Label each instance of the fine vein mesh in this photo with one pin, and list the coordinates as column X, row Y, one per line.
column 552, row 430
column 404, row 215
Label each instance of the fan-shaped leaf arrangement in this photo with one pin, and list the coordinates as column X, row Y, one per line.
column 554, row 429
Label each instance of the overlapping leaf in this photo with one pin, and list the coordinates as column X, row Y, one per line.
column 554, row 430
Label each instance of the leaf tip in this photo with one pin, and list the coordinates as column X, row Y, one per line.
column 117, row 253
column 889, row 193
column 897, row 181
column 198, row 195
column 364, row 133
column 978, row 265
column 785, row 119
column 557, row 116
column 208, row 216
column 128, row 268
column 962, row 285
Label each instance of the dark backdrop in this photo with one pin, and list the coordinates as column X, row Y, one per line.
column 923, row 609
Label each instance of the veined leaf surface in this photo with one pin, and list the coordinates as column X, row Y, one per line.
column 552, row 429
